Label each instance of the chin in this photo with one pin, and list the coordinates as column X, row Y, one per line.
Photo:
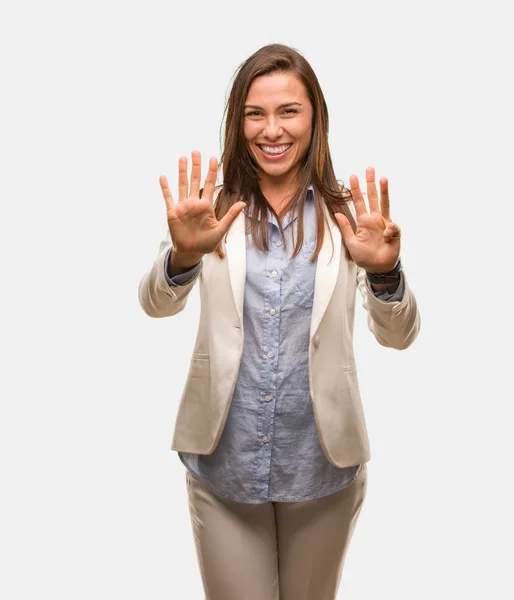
column 274, row 170
column 276, row 173
column 279, row 172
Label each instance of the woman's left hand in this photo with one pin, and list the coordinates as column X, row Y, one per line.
column 375, row 245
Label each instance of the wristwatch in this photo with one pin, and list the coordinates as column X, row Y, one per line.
column 391, row 277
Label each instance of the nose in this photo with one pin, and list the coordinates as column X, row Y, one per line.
column 272, row 129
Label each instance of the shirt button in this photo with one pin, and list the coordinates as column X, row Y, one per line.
column 272, row 311
column 270, row 354
column 274, row 273
column 265, row 439
column 267, row 397
column 278, row 243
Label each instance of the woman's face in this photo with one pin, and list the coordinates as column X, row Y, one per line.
column 277, row 125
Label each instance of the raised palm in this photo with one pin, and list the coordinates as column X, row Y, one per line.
column 193, row 226
column 375, row 245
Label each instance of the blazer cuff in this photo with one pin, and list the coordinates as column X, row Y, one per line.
column 183, row 278
column 388, row 296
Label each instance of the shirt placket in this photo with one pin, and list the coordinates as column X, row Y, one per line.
column 269, row 360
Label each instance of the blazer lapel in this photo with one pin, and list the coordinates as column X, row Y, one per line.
column 235, row 249
column 327, row 271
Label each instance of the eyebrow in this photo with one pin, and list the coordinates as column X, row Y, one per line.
column 281, row 106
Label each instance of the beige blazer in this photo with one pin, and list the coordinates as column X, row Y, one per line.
column 217, row 352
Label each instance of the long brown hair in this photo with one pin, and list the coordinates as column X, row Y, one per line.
column 240, row 172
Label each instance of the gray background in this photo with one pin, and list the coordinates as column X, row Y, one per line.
column 99, row 99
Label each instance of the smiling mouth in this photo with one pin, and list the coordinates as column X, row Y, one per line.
column 274, row 152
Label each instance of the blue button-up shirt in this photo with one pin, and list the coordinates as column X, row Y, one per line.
column 269, row 450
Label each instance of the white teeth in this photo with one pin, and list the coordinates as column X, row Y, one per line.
column 275, row 149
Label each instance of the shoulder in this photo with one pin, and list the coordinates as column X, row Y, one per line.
column 217, row 191
column 346, row 196
column 346, row 192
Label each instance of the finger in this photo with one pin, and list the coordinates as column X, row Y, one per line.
column 358, row 200
column 392, row 231
column 345, row 226
column 196, row 172
column 182, row 178
column 372, row 190
column 210, row 180
column 384, row 198
column 166, row 192
column 231, row 216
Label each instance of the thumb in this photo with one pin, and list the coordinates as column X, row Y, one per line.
column 231, row 216
column 345, row 226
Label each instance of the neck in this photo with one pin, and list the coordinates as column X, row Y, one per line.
column 278, row 191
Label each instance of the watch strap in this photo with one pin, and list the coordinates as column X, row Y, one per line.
column 390, row 277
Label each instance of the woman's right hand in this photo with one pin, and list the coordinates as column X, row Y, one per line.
column 193, row 226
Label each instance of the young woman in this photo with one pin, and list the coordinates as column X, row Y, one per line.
column 270, row 425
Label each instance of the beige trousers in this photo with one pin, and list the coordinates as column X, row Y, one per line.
column 273, row 551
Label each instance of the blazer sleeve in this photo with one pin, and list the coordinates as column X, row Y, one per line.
column 156, row 296
column 395, row 324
